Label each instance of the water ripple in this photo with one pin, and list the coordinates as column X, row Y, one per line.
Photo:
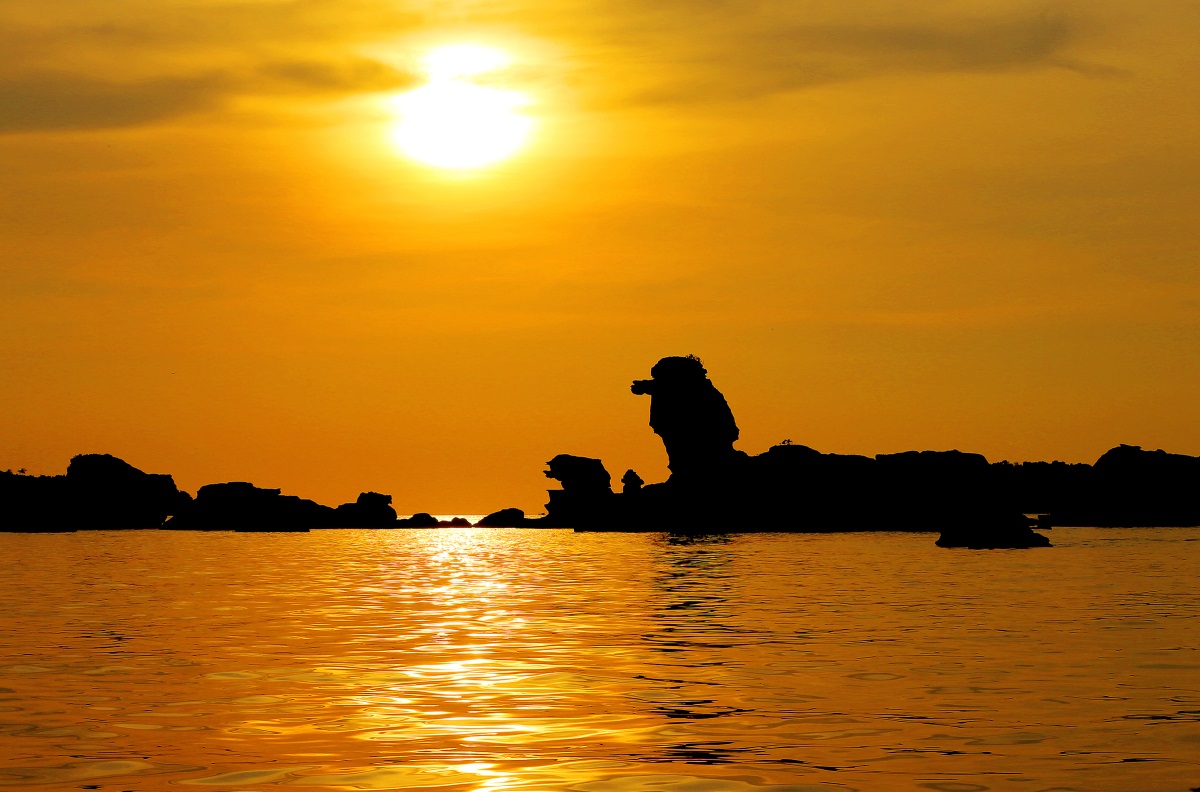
column 489, row 660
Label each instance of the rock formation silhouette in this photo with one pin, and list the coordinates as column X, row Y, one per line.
column 505, row 518
column 371, row 510
column 418, row 520
column 102, row 492
column 714, row 487
column 1129, row 486
column 115, row 494
column 692, row 418
column 241, row 506
column 99, row 492
column 586, row 496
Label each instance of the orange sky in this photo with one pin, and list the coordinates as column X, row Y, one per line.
column 882, row 225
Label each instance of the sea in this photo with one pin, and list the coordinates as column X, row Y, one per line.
column 485, row 660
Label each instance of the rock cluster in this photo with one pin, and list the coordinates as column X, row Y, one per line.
column 714, row 487
column 102, row 492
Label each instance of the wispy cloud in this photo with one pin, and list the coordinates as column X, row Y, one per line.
column 61, row 101
column 95, row 65
column 349, row 75
column 66, row 101
column 733, row 52
column 90, row 64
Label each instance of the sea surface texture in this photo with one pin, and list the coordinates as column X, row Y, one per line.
column 493, row 660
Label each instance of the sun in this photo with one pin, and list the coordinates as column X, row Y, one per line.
column 455, row 122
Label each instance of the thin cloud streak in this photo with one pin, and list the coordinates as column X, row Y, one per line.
column 748, row 56
column 58, row 102
column 63, row 101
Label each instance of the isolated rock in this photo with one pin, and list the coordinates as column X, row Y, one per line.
column 418, row 520
column 1014, row 536
column 505, row 518
column 370, row 510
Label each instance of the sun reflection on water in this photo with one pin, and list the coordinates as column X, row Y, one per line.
column 474, row 660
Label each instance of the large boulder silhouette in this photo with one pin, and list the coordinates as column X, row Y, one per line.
column 1013, row 533
column 99, row 491
column 505, row 518
column 691, row 416
column 241, row 506
column 370, row 510
column 1129, row 486
column 418, row 520
column 111, row 493
column 586, row 497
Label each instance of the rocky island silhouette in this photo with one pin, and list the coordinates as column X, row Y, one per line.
column 712, row 488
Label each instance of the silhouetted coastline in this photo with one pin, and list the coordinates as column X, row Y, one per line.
column 712, row 487
column 715, row 487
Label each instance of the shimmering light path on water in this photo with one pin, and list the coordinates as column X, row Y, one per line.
column 546, row 660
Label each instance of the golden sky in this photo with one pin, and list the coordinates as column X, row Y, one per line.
column 882, row 225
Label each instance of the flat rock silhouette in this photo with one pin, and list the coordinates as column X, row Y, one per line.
column 505, row 518
column 241, row 506
column 418, row 520
column 370, row 510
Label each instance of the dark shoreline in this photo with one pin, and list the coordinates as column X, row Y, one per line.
column 712, row 488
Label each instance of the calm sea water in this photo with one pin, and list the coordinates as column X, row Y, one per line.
column 492, row 660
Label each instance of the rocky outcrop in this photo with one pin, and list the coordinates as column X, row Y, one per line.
column 505, row 518
column 114, row 494
column 370, row 510
column 691, row 416
column 99, row 492
column 1016, row 534
column 241, row 506
column 713, row 487
column 586, row 497
column 1129, row 486
column 36, row 504
column 418, row 520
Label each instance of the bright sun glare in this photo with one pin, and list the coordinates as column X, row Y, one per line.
column 454, row 122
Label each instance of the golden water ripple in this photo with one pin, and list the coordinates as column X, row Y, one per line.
column 490, row 660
